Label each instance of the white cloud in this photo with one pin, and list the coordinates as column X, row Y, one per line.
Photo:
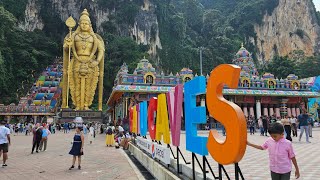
column 317, row 4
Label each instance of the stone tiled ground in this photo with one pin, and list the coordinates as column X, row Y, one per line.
column 99, row 162
column 255, row 163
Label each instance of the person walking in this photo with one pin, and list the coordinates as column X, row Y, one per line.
column 303, row 123
column 85, row 130
column 281, row 153
column 91, row 134
column 310, row 125
column 251, row 125
column 77, row 147
column 5, row 142
column 294, row 126
column 37, row 139
column 287, row 127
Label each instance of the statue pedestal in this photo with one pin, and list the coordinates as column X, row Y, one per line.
column 68, row 115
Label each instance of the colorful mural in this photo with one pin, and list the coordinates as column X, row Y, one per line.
column 313, row 103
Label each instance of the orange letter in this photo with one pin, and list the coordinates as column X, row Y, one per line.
column 228, row 114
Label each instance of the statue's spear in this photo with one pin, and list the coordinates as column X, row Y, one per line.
column 71, row 23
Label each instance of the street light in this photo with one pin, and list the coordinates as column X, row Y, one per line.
column 201, row 48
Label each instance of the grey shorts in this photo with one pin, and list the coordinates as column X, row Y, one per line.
column 4, row 147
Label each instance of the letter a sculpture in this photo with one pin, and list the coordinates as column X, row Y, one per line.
column 83, row 64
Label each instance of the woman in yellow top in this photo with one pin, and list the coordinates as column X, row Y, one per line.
column 287, row 127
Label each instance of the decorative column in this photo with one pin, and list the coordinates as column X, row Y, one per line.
column 271, row 110
column 265, row 111
column 245, row 110
column 126, row 106
column 293, row 112
column 278, row 111
column 251, row 111
column 289, row 111
column 283, row 107
column 298, row 111
column 258, row 108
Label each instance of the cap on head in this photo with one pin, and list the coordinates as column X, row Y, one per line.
column 85, row 16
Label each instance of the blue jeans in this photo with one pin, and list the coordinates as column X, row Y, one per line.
column 302, row 129
column 261, row 131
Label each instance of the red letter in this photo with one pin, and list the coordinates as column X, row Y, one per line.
column 152, row 109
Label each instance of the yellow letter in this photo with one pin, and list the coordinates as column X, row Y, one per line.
column 134, row 120
column 162, row 120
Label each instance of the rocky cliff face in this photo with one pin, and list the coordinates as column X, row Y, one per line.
column 144, row 29
column 291, row 26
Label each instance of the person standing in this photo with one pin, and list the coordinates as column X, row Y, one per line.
column 303, row 123
column 294, row 126
column 5, row 141
column 44, row 140
column 251, row 125
column 310, row 125
column 65, row 127
column 91, row 134
column 37, row 139
column 85, row 129
column 265, row 125
column 287, row 127
column 260, row 124
column 110, row 135
column 77, row 147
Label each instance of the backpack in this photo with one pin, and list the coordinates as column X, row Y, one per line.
column 109, row 131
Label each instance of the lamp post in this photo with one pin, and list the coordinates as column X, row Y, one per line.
column 201, row 48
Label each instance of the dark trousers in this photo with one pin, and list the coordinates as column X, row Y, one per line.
column 287, row 128
column 277, row 176
column 251, row 130
column 265, row 128
column 36, row 143
column 294, row 130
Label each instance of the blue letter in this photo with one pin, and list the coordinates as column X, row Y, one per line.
column 143, row 118
column 195, row 115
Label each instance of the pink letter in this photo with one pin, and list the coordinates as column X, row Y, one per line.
column 175, row 112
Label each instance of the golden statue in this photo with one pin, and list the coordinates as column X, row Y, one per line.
column 83, row 63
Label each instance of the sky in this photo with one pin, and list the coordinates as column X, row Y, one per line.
column 317, row 4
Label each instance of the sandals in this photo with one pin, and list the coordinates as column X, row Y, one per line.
column 71, row 167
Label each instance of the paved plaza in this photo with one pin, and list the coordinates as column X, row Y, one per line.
column 255, row 163
column 99, row 161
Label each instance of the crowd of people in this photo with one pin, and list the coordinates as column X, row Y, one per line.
column 291, row 124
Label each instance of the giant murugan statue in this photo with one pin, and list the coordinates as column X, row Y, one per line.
column 83, row 63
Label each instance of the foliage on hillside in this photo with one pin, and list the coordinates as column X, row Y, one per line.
column 23, row 55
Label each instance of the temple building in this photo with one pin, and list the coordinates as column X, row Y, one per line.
column 257, row 94
column 267, row 95
column 143, row 84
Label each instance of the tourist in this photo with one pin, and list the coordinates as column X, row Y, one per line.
column 5, row 141
column 287, row 127
column 37, row 138
column 65, row 127
column 77, row 147
column 91, row 134
column 303, row 123
column 110, row 135
column 293, row 121
column 251, row 125
column 125, row 141
column 260, row 125
column 310, row 125
column 44, row 140
column 85, row 129
column 280, row 153
column 265, row 125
